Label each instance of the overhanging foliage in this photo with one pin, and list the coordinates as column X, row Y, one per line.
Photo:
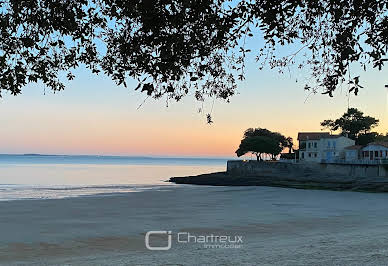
column 173, row 47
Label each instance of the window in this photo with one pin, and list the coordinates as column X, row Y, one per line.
column 309, row 145
column 302, row 145
column 302, row 155
column 376, row 153
column 315, row 155
column 315, row 144
column 381, row 153
column 309, row 154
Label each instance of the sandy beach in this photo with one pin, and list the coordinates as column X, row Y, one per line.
column 278, row 226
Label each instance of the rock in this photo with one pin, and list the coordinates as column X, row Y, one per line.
column 377, row 184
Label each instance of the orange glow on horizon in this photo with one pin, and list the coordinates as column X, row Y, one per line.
column 97, row 117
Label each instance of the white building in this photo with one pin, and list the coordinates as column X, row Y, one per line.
column 353, row 153
column 375, row 151
column 321, row 146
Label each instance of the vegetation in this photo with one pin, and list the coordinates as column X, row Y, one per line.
column 364, row 139
column 354, row 124
column 289, row 144
column 172, row 47
column 261, row 142
column 289, row 156
column 382, row 138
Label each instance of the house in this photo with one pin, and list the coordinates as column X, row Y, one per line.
column 375, row 151
column 322, row 146
column 353, row 153
column 308, row 145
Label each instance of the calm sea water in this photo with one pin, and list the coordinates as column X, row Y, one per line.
column 57, row 176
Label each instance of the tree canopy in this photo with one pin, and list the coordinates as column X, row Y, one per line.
column 261, row 141
column 172, row 47
column 355, row 125
column 364, row 139
column 289, row 144
column 381, row 137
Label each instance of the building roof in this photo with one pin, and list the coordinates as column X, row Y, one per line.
column 354, row 147
column 333, row 136
column 379, row 143
column 312, row 135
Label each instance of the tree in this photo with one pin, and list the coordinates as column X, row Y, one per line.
column 289, row 144
column 260, row 141
column 353, row 123
column 364, row 139
column 172, row 47
column 382, row 138
column 254, row 132
column 259, row 145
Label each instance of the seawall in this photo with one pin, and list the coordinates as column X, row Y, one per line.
column 369, row 178
column 319, row 170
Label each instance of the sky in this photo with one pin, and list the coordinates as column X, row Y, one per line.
column 94, row 116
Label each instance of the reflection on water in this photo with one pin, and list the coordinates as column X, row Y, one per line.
column 34, row 177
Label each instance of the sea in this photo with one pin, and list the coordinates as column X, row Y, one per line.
column 35, row 176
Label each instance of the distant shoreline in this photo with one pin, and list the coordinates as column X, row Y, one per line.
column 106, row 159
column 119, row 156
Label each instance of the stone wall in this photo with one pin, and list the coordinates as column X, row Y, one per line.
column 318, row 170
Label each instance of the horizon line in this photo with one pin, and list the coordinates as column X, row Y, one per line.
column 133, row 156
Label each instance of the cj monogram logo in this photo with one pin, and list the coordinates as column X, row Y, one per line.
column 150, row 247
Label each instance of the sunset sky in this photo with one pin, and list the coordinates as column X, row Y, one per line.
column 94, row 116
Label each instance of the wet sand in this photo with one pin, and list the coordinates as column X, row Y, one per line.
column 278, row 226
